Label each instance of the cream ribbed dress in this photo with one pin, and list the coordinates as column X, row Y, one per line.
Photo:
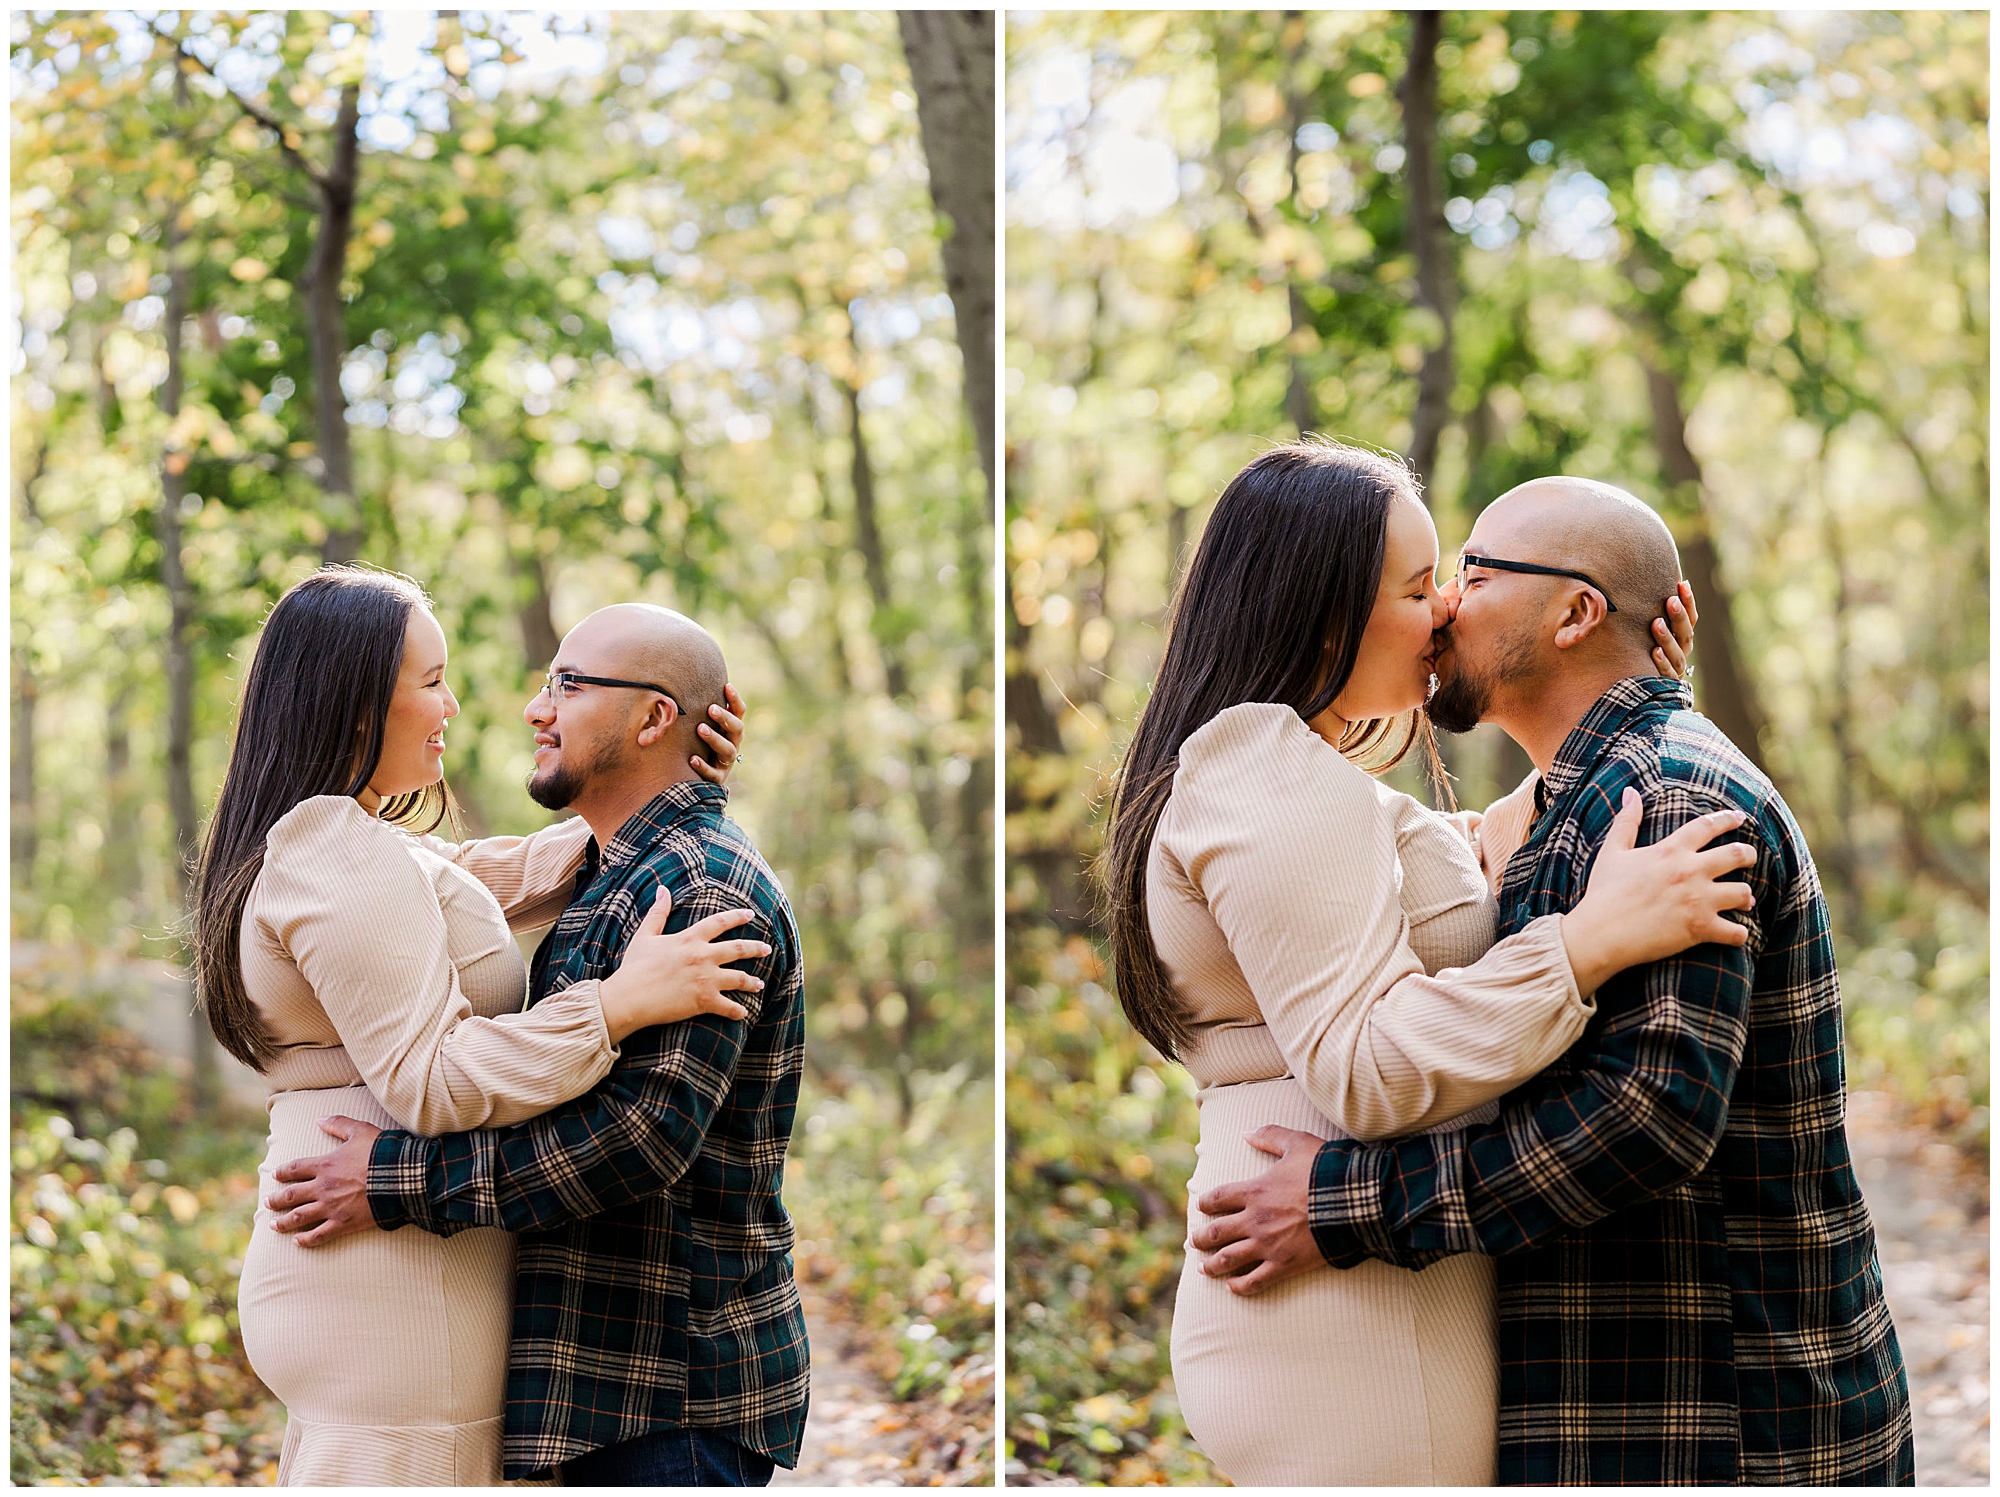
column 1331, row 938
column 383, row 966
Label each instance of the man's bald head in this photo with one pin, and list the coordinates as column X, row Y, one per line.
column 1591, row 527
column 642, row 642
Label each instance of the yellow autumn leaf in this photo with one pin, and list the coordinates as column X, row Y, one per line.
column 249, row 268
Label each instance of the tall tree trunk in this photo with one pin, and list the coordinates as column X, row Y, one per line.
column 24, row 841
column 1299, row 402
column 536, row 615
column 326, row 330
column 952, row 65
column 121, row 832
column 1840, row 857
column 975, row 695
column 180, row 621
column 1034, row 737
column 1721, row 685
column 1430, row 239
column 868, row 541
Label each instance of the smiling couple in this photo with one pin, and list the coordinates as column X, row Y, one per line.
column 1572, row 1206
column 596, row 1280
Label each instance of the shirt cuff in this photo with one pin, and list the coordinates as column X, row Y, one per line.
column 1335, row 1209
column 1347, row 1211
column 397, row 1171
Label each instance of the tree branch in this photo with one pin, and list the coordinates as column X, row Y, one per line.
column 262, row 116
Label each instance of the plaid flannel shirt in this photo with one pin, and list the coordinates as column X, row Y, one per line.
column 654, row 1280
column 1688, row 1284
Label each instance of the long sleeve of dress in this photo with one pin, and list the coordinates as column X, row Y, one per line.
column 348, row 901
column 1294, row 851
column 531, row 876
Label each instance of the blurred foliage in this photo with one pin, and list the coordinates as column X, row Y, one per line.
column 895, row 1221
column 646, row 306
column 125, row 1247
column 1734, row 262
column 1100, row 1144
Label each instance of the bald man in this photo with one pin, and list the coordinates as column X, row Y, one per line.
column 1688, row 1286
column 658, row 1338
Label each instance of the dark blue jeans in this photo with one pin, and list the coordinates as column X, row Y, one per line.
column 670, row 1458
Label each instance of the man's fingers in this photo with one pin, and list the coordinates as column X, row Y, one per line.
column 1272, row 1139
column 1224, row 1200
column 310, row 1214
column 325, row 1232
column 1213, row 1236
column 1256, row 1281
column 290, row 1196
column 300, row 1169
column 714, row 925
column 1238, row 1257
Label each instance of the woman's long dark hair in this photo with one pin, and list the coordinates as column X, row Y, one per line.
column 314, row 709
column 1292, row 554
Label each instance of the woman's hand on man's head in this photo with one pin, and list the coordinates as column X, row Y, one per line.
column 725, row 747
column 1673, row 634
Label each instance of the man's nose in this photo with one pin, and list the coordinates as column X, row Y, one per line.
column 1448, row 594
column 539, row 709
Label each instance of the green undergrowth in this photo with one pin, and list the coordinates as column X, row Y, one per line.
column 894, row 1211
column 131, row 1213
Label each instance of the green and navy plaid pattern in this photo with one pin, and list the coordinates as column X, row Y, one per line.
column 654, row 1274
column 1688, row 1285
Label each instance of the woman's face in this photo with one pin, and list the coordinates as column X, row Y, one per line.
column 1392, row 674
column 413, row 739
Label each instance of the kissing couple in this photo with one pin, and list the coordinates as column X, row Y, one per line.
column 1569, row 1206
column 550, row 1240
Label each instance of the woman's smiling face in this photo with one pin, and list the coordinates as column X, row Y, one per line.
column 413, row 737
column 1392, row 673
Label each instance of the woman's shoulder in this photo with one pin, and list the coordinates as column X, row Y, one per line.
column 332, row 838
column 1254, row 743
column 319, row 817
column 1257, row 771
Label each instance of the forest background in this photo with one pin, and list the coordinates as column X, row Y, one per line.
column 545, row 313
column 1734, row 262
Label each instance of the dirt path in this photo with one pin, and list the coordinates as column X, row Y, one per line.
column 1930, row 1209
column 856, row 1435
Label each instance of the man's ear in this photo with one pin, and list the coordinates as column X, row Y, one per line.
column 659, row 720
column 1582, row 615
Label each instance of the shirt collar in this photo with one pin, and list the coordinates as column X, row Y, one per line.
column 653, row 820
column 1608, row 717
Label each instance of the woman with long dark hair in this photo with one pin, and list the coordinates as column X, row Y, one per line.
column 367, row 969
column 1318, row 950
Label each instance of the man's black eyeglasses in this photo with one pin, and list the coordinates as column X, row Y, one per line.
column 560, row 681
column 1494, row 564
